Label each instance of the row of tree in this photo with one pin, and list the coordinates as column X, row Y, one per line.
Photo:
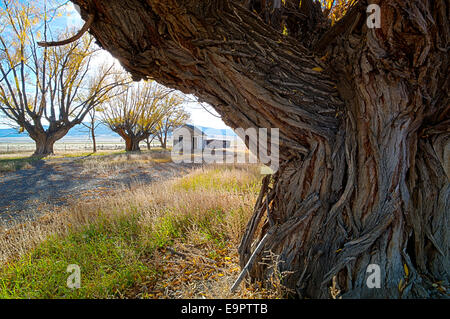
column 144, row 112
column 47, row 91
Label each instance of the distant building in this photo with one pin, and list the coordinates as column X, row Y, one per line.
column 198, row 139
column 196, row 136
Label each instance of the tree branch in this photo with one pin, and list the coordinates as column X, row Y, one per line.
column 84, row 29
column 225, row 55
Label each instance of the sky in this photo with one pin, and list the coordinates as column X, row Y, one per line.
column 70, row 18
column 199, row 116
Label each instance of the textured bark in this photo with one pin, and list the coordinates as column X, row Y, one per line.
column 46, row 139
column 44, row 147
column 132, row 145
column 363, row 119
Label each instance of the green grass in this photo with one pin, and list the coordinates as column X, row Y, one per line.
column 112, row 256
column 173, row 226
column 108, row 253
column 218, row 179
column 116, row 252
column 12, row 164
column 15, row 163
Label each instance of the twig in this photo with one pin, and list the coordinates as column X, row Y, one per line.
column 79, row 34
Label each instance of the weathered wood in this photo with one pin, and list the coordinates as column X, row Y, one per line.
column 74, row 38
column 250, row 263
column 363, row 119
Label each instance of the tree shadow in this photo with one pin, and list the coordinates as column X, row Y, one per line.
column 16, row 164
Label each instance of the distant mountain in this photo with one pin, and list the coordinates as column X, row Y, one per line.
column 215, row 132
column 78, row 132
column 11, row 133
column 102, row 132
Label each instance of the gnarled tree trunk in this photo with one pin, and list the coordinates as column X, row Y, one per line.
column 132, row 145
column 45, row 140
column 131, row 141
column 364, row 128
column 44, row 146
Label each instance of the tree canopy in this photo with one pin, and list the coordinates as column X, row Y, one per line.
column 136, row 113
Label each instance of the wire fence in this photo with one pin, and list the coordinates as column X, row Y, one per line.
column 11, row 148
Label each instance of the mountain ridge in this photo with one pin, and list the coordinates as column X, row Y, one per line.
column 102, row 132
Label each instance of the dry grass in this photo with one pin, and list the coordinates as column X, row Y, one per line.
column 181, row 235
column 18, row 161
column 124, row 161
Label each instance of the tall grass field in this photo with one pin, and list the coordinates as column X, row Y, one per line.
column 174, row 239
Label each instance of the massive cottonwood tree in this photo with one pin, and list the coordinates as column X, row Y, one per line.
column 363, row 119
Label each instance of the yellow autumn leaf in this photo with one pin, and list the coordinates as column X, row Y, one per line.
column 401, row 285
column 317, row 69
column 405, row 267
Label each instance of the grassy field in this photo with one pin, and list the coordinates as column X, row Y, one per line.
column 176, row 239
column 14, row 162
column 100, row 159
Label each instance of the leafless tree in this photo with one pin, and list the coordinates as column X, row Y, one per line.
column 46, row 91
column 174, row 116
column 135, row 114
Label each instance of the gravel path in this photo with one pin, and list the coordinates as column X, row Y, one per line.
column 48, row 183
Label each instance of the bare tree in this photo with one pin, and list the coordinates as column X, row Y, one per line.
column 46, row 91
column 149, row 141
column 174, row 116
column 135, row 114
column 360, row 95
column 91, row 125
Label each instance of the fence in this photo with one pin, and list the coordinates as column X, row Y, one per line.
column 7, row 148
column 10, row 148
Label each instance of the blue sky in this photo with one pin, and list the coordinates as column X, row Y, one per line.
column 70, row 18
